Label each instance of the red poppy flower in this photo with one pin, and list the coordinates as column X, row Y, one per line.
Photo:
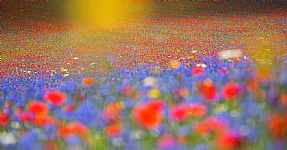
column 179, row 113
column 42, row 120
column 149, row 115
column 127, row 90
column 73, row 128
column 156, row 104
column 80, row 97
column 8, row 104
column 284, row 99
column 277, row 124
column 113, row 112
column 197, row 71
column 113, row 130
column 210, row 124
column 197, row 110
column 56, row 97
column 208, row 90
column 4, row 119
column 183, row 92
column 38, row 108
column 231, row 90
column 25, row 116
column 229, row 140
column 70, row 108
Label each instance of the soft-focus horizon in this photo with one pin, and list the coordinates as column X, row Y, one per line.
column 139, row 75
column 104, row 13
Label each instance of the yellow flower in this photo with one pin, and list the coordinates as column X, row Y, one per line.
column 174, row 64
column 154, row 93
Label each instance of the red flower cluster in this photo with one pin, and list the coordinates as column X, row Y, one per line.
column 210, row 124
column 56, row 97
column 38, row 108
column 182, row 112
column 38, row 112
column 112, row 113
column 149, row 115
column 73, row 128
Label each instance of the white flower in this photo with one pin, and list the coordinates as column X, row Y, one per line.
column 136, row 134
column 150, row 81
column 229, row 54
column 7, row 138
column 201, row 65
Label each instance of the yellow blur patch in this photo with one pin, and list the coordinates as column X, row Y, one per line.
column 105, row 12
column 264, row 54
column 174, row 64
column 154, row 93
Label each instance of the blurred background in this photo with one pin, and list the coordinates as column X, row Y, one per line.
column 65, row 33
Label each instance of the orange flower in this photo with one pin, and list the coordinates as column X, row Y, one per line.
column 149, row 115
column 113, row 130
column 182, row 139
column 252, row 84
column 113, row 112
column 277, row 124
column 73, row 128
column 38, row 108
column 183, row 92
column 210, row 124
column 179, row 113
column 41, row 120
column 284, row 99
column 207, row 90
column 197, row 110
column 231, row 90
column 89, row 81
column 51, row 145
column 4, row 119
column 56, row 97
column 8, row 104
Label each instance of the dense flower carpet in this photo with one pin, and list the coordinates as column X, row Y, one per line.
column 200, row 81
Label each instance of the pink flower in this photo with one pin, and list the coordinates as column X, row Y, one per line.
column 179, row 113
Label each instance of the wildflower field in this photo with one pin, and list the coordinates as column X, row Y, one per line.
column 147, row 75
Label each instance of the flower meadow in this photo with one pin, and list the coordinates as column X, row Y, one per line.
column 201, row 82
